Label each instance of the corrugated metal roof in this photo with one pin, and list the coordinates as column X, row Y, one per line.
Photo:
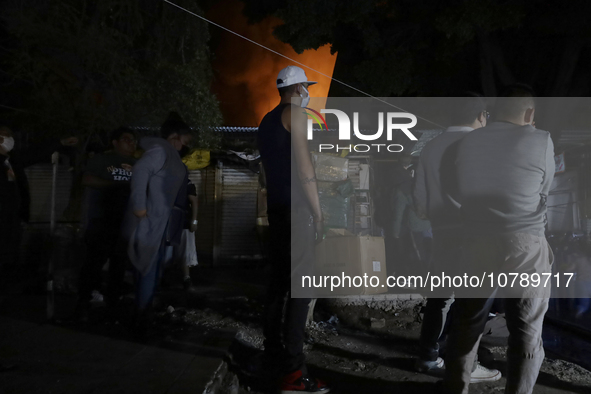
column 574, row 137
column 427, row 135
column 567, row 137
column 221, row 129
column 227, row 129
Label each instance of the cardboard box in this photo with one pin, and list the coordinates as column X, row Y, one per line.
column 352, row 256
column 330, row 168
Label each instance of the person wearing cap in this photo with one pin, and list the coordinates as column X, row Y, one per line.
column 295, row 219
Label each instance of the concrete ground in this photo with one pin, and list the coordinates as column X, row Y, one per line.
column 61, row 358
column 209, row 345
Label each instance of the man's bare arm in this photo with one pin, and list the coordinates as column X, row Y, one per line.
column 305, row 169
column 308, row 180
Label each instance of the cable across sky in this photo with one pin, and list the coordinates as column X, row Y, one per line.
column 295, row 61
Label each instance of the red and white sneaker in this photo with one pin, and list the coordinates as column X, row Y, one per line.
column 296, row 383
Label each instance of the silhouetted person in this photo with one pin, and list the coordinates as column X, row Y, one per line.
column 294, row 220
column 158, row 202
column 504, row 175
column 435, row 196
column 14, row 192
column 107, row 180
column 15, row 199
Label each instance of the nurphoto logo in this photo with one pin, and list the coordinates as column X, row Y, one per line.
column 391, row 119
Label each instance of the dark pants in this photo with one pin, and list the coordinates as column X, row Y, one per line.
column 447, row 253
column 292, row 243
column 525, row 310
column 146, row 285
column 103, row 241
column 434, row 321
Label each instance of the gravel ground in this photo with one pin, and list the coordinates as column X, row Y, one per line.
column 366, row 348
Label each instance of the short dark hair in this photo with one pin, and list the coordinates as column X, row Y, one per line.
column 117, row 133
column 174, row 124
column 466, row 110
column 515, row 100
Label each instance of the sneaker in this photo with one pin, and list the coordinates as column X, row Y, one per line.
column 296, row 383
column 424, row 366
column 483, row 374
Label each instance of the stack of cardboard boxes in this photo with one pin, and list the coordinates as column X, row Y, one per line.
column 343, row 254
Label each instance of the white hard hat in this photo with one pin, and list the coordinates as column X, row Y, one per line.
column 291, row 75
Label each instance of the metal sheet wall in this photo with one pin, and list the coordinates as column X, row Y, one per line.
column 563, row 204
column 40, row 177
column 237, row 222
column 239, row 212
column 204, row 181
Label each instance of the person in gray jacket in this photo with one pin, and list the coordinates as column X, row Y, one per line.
column 504, row 173
column 158, row 191
column 435, row 196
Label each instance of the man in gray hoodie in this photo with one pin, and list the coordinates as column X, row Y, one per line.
column 504, row 175
column 158, row 196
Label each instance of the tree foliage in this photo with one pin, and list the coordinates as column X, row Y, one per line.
column 420, row 47
column 81, row 66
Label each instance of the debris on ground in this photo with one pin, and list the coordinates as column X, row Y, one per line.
column 377, row 323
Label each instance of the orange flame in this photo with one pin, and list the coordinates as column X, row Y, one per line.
column 245, row 73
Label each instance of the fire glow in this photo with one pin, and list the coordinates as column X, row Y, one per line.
column 245, row 74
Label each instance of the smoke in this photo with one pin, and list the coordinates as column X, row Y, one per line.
column 245, row 73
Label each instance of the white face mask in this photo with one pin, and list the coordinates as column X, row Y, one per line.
column 8, row 144
column 305, row 100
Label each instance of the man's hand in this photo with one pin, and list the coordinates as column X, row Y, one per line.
column 319, row 227
column 141, row 214
column 70, row 141
column 421, row 214
column 193, row 227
